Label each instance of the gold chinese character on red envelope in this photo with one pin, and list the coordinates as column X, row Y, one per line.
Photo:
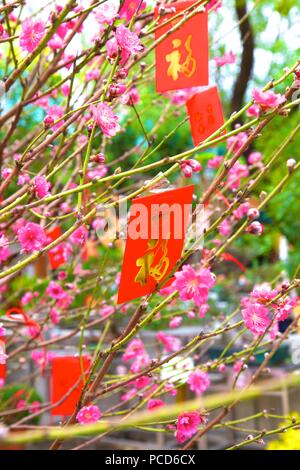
column 205, row 113
column 182, row 56
column 155, row 238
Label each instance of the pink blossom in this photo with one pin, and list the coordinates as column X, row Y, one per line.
column 236, row 142
column 56, row 112
column 263, row 294
column 106, row 310
column 127, row 40
column 31, row 237
column 34, row 407
column 41, row 358
column 256, row 317
column 241, row 211
column 267, row 99
column 130, row 7
column 64, row 301
column 54, row 290
column 107, row 13
column 21, row 405
column 194, row 285
column 203, row 309
column 6, row 172
column 198, row 381
column 175, row 322
column 65, row 89
column 41, row 186
column 214, row 162
column 3, row 356
column 227, row 58
column 154, row 403
column 54, row 316
column 135, row 348
column 112, row 48
column 284, row 308
column 4, row 248
column 2, row 331
column 253, row 111
column 132, row 96
column 236, row 173
column 56, row 42
column 92, row 74
column 187, row 425
column 224, row 228
column 128, row 395
column 238, row 365
column 23, row 179
column 89, row 414
column 32, row 34
column 170, row 342
column 180, row 97
column 27, row 298
column 255, row 158
column 79, row 237
column 105, row 119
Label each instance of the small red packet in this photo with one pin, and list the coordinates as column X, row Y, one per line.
column 65, row 373
column 205, row 113
column 155, row 238
column 56, row 255
column 182, row 57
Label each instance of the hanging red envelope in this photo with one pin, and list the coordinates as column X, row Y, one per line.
column 57, row 256
column 205, row 113
column 182, row 56
column 155, row 238
column 65, row 373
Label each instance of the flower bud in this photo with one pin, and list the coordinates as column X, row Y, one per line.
column 48, row 122
column 253, row 213
column 291, row 163
column 256, row 228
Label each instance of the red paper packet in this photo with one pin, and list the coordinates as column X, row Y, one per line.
column 205, row 113
column 182, row 57
column 150, row 258
column 56, row 256
column 65, row 372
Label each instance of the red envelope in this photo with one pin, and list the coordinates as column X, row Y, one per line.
column 56, row 256
column 155, row 239
column 65, row 372
column 206, row 114
column 182, row 57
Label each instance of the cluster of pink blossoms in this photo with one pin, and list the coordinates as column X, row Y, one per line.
column 88, row 414
column 189, row 167
column 256, row 310
column 188, row 424
column 136, row 350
